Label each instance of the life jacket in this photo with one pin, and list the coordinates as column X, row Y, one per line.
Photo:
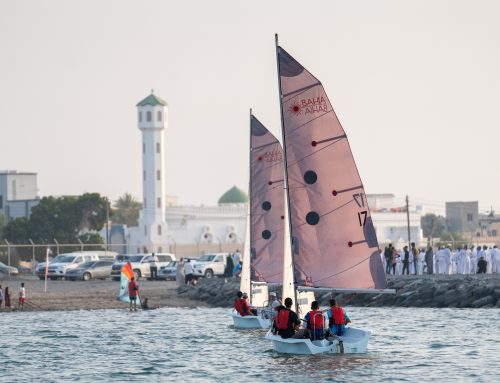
column 238, row 306
column 338, row 316
column 282, row 319
column 132, row 288
column 315, row 321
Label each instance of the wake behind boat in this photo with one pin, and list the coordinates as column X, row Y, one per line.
column 330, row 241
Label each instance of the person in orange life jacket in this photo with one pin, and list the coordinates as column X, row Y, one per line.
column 241, row 305
column 133, row 291
column 314, row 319
column 287, row 321
column 246, row 305
column 337, row 318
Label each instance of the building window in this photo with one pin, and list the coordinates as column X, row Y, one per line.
column 159, row 229
column 148, row 116
column 143, row 148
column 157, row 147
column 145, row 230
column 140, row 116
column 158, row 202
column 144, row 175
column 469, row 217
column 158, row 175
column 493, row 233
column 159, row 116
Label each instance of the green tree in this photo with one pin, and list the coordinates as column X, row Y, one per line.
column 127, row 210
column 17, row 230
column 433, row 225
column 3, row 223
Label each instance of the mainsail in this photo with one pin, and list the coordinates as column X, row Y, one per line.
column 266, row 204
column 333, row 238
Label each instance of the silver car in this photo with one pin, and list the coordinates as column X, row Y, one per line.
column 90, row 270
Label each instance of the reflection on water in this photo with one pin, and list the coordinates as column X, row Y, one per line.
column 200, row 345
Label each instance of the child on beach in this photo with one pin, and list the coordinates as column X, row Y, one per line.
column 7, row 297
column 22, row 296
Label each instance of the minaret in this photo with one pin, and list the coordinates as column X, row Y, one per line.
column 152, row 121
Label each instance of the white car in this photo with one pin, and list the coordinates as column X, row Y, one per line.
column 8, row 270
column 210, row 265
column 140, row 264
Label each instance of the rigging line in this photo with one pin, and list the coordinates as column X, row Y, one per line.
column 307, row 122
column 265, row 145
column 300, row 91
column 271, row 165
column 331, row 211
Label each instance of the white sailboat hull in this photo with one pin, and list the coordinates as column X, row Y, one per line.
column 355, row 341
column 250, row 321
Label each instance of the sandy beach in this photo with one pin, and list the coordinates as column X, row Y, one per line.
column 91, row 295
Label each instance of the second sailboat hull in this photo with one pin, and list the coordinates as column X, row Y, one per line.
column 355, row 341
column 250, row 321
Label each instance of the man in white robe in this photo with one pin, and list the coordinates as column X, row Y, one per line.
column 474, row 257
column 487, row 256
column 495, row 259
column 421, row 262
column 460, row 260
column 442, row 261
column 436, row 260
column 447, row 260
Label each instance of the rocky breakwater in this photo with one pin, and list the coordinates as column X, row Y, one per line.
column 467, row 291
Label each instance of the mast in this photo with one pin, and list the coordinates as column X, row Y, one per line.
column 288, row 247
column 246, row 283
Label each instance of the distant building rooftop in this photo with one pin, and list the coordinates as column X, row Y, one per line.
column 152, row 100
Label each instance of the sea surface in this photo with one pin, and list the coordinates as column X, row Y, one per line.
column 200, row 345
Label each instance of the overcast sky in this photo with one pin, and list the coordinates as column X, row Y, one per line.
column 414, row 83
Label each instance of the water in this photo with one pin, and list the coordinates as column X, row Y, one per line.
column 200, row 345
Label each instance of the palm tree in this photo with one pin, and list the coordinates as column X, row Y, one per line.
column 127, row 210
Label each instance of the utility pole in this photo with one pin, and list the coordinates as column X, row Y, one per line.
column 408, row 221
column 107, row 224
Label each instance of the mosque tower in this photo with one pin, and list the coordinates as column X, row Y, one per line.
column 152, row 121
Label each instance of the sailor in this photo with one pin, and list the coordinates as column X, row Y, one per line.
column 272, row 307
column 241, row 305
column 133, row 291
column 287, row 321
column 314, row 319
column 337, row 318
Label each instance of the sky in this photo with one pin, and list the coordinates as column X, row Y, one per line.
column 415, row 85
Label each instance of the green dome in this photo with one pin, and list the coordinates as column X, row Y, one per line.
column 152, row 100
column 234, row 195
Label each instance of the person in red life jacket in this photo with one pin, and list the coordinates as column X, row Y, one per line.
column 287, row 321
column 314, row 320
column 337, row 318
column 241, row 305
column 133, row 291
column 246, row 306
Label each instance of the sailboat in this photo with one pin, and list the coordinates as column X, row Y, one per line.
column 263, row 251
column 331, row 240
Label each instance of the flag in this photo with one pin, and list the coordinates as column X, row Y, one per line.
column 126, row 275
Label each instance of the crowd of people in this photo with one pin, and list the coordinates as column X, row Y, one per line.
column 443, row 260
column 5, row 297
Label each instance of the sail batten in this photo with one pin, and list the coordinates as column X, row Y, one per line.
column 334, row 243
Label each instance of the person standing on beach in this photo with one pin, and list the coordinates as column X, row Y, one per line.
column 153, row 266
column 22, row 296
column 188, row 272
column 406, row 260
column 1, row 296
column 7, row 297
column 133, row 291
column 179, row 274
column 429, row 260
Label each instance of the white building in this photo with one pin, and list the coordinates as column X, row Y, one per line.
column 18, row 193
column 151, row 234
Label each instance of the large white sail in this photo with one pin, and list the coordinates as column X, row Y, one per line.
column 266, row 204
column 334, row 241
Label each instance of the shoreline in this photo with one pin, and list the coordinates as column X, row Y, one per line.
column 458, row 291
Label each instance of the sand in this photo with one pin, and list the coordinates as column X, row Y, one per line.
column 91, row 295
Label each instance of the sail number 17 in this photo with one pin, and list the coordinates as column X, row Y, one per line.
column 362, row 221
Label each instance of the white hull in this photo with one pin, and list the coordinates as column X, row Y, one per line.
column 250, row 321
column 355, row 341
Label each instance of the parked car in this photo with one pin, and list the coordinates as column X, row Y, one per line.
column 64, row 262
column 210, row 265
column 168, row 272
column 140, row 264
column 91, row 270
column 8, row 269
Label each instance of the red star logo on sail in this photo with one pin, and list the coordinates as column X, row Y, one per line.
column 295, row 108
